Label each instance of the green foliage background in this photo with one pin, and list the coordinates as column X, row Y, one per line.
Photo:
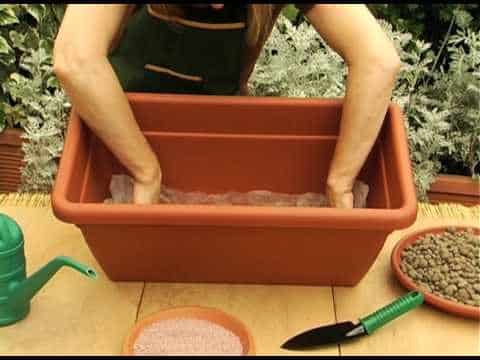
column 30, row 95
column 427, row 21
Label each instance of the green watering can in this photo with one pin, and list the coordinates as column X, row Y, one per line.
column 16, row 290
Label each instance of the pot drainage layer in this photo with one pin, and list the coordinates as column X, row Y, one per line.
column 121, row 192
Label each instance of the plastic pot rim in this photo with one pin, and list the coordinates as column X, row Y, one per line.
column 195, row 215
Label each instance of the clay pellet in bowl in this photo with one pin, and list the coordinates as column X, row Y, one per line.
column 446, row 264
column 183, row 336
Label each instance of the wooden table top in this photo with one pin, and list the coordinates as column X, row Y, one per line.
column 77, row 316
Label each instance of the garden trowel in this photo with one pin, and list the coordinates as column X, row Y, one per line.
column 343, row 331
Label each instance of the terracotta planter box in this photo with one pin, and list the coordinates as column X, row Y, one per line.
column 455, row 188
column 11, row 160
column 216, row 144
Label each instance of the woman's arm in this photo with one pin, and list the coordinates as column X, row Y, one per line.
column 373, row 63
column 83, row 69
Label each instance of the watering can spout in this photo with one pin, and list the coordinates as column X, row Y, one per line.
column 25, row 290
column 16, row 290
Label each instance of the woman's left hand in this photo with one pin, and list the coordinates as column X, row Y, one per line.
column 340, row 197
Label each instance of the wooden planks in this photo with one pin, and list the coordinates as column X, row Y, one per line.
column 423, row 331
column 75, row 315
column 272, row 313
column 71, row 314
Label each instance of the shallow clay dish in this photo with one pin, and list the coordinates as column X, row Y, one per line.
column 193, row 312
column 435, row 300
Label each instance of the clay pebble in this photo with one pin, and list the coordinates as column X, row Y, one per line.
column 446, row 264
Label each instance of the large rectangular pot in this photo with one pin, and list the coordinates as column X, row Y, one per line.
column 216, row 144
column 11, row 160
column 456, row 189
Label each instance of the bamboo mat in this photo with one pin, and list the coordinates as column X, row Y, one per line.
column 425, row 210
column 25, row 199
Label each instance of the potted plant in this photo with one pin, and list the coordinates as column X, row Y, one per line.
column 32, row 107
column 11, row 158
column 443, row 115
column 457, row 180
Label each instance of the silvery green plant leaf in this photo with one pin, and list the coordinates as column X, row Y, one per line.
column 7, row 15
column 59, row 11
column 5, row 47
column 462, row 18
column 3, row 122
column 290, row 12
column 18, row 40
column 36, row 10
column 7, row 59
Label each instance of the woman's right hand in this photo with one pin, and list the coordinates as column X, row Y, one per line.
column 146, row 188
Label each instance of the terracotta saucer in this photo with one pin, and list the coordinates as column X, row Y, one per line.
column 434, row 300
column 193, row 312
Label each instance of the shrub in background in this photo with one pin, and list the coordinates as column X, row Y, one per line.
column 30, row 95
column 426, row 21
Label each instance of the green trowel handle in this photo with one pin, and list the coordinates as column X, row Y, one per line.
column 392, row 311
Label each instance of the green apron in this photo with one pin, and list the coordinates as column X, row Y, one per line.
column 187, row 56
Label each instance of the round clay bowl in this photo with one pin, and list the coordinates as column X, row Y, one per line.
column 193, row 312
column 434, row 300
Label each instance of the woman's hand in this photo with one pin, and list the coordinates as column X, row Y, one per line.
column 339, row 197
column 146, row 187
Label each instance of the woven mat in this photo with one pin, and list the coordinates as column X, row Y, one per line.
column 425, row 210
column 25, row 199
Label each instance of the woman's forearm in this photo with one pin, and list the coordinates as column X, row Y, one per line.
column 353, row 32
column 368, row 92
column 99, row 99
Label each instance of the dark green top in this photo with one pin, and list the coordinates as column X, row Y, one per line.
column 199, row 56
